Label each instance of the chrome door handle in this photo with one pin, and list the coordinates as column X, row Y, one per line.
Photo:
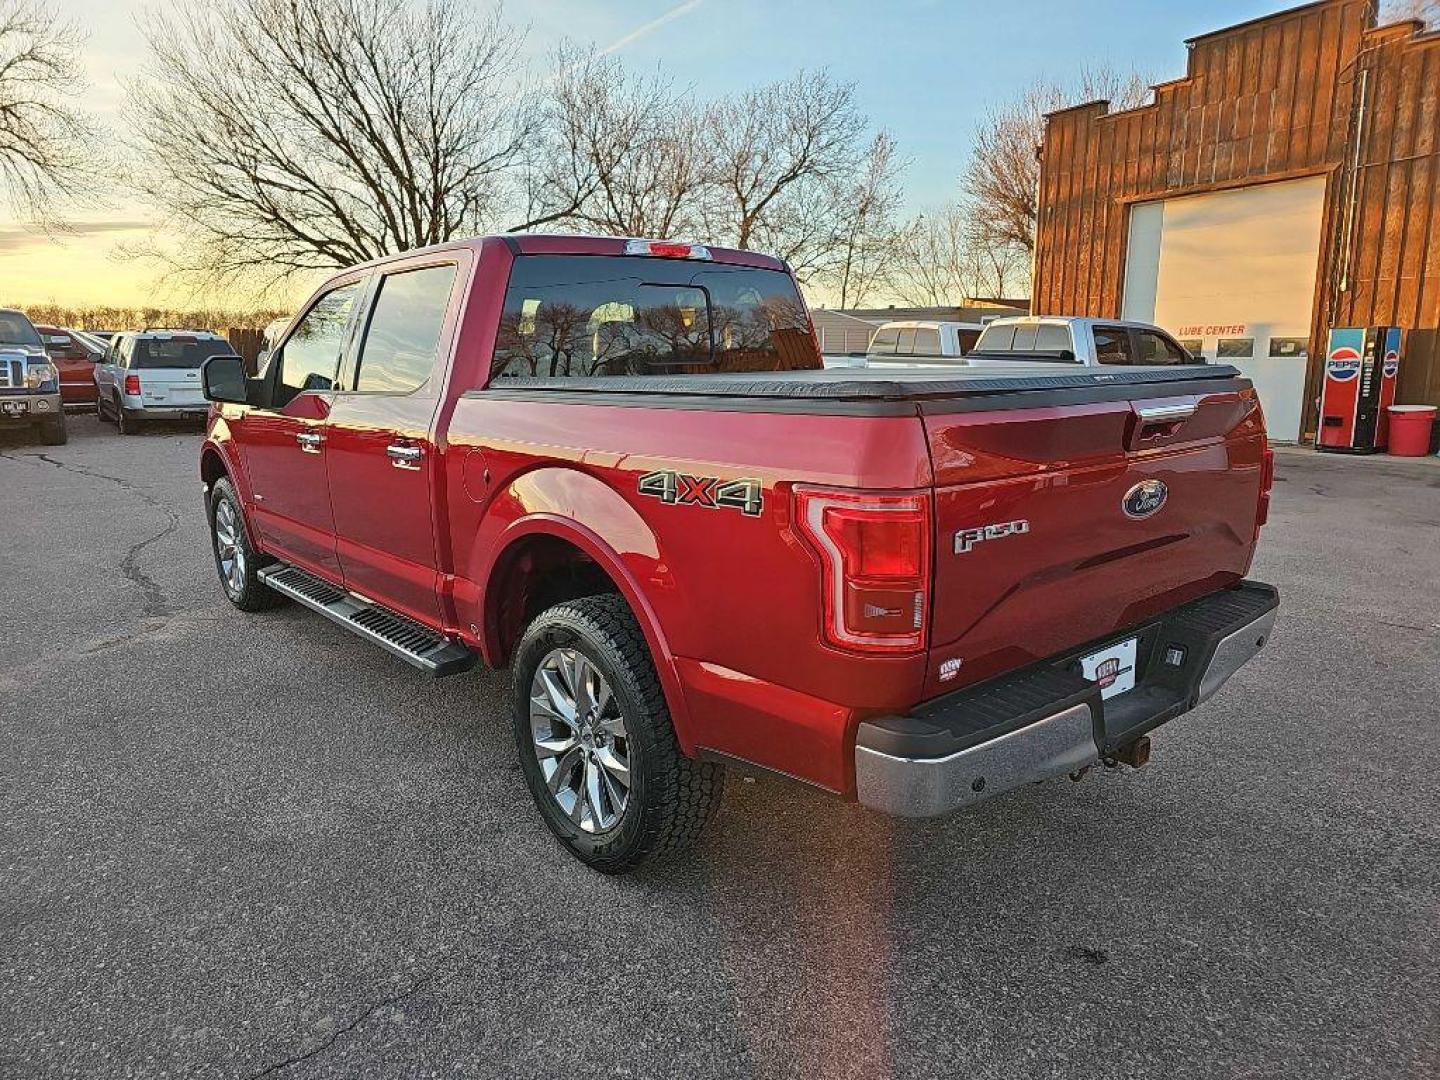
column 405, row 457
column 310, row 441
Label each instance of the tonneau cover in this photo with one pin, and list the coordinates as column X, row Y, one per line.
column 861, row 384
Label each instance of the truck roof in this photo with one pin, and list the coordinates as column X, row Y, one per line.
column 929, row 324
column 580, row 244
column 1071, row 320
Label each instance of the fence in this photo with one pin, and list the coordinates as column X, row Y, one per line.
column 247, row 343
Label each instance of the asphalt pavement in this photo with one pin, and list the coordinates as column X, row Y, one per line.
column 255, row 846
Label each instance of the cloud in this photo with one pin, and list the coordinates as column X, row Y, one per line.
column 654, row 24
column 17, row 238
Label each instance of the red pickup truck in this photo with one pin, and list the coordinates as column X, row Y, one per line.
column 618, row 468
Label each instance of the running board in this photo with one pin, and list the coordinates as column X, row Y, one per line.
column 419, row 645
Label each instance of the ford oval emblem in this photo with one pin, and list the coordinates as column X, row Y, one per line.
column 1145, row 499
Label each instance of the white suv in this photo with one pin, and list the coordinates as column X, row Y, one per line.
column 155, row 375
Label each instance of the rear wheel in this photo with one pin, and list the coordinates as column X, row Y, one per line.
column 100, row 410
column 127, row 425
column 236, row 562
column 596, row 744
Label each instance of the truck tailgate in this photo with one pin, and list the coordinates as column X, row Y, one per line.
column 1053, row 528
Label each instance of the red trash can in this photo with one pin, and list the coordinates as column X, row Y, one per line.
column 1410, row 429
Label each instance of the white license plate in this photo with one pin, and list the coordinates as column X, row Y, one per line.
column 1113, row 668
column 13, row 407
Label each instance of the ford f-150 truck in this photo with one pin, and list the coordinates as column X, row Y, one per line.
column 29, row 382
column 617, row 468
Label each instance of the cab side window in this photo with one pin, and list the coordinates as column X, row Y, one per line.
column 311, row 354
column 1112, row 345
column 1158, row 349
column 404, row 332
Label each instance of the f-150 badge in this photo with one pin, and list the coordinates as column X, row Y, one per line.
column 966, row 539
column 679, row 489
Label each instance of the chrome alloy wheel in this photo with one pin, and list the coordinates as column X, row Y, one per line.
column 580, row 740
column 228, row 549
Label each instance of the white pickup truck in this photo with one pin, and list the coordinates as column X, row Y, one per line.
column 1071, row 340
column 912, row 343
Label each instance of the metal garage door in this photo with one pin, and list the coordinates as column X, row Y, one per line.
column 1233, row 275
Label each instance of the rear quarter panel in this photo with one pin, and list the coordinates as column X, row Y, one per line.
column 734, row 598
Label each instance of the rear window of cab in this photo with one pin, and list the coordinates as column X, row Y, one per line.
column 588, row 316
column 1034, row 337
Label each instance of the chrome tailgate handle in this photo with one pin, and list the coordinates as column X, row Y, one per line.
column 1156, row 422
column 310, row 441
column 1165, row 414
column 405, row 457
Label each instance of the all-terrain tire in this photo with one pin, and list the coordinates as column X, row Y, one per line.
column 242, row 586
column 672, row 797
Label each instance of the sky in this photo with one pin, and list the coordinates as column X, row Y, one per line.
column 926, row 70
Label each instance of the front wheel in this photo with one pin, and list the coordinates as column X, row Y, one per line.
column 596, row 743
column 236, row 561
column 53, row 431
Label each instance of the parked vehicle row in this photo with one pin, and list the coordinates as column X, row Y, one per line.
column 617, row 468
column 128, row 378
column 1017, row 340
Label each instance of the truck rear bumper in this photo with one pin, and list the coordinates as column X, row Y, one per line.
column 1048, row 720
column 191, row 413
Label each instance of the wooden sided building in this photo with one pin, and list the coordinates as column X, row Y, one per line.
column 1288, row 183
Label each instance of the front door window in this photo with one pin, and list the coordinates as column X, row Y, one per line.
column 310, row 357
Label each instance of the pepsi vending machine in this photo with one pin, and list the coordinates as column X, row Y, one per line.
column 1361, row 365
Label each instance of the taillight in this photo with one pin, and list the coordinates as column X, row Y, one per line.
column 132, row 385
column 1267, row 481
column 874, row 551
column 666, row 249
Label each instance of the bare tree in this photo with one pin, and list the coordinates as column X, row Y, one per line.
column 941, row 260
column 41, row 132
column 288, row 135
column 777, row 155
column 621, row 154
column 869, row 237
column 1000, row 184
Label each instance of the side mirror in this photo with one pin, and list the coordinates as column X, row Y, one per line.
column 222, row 378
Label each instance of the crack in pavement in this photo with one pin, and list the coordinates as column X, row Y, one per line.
column 154, row 600
column 366, row 1014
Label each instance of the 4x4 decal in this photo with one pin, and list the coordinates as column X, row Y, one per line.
column 711, row 492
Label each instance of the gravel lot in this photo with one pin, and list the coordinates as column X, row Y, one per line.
column 240, row 846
